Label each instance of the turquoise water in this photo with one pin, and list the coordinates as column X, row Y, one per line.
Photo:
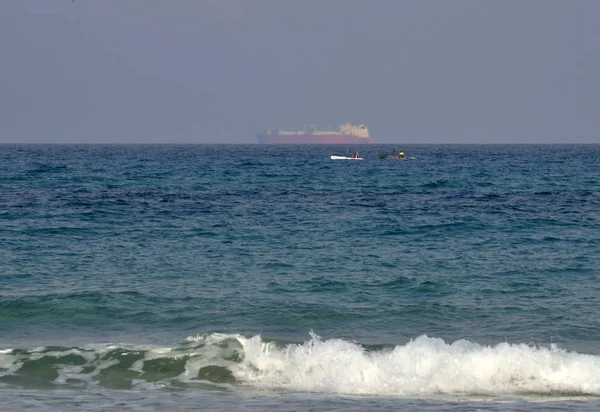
column 261, row 277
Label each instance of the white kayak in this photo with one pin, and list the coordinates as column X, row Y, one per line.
column 345, row 158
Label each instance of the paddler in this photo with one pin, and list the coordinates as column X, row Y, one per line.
column 400, row 155
column 355, row 155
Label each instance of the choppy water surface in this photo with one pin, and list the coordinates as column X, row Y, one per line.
column 262, row 277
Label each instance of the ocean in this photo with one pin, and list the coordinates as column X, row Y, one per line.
column 257, row 278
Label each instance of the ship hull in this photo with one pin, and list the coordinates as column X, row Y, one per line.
column 312, row 139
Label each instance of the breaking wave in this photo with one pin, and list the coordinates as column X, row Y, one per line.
column 422, row 367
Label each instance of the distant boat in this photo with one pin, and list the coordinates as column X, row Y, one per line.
column 345, row 158
column 396, row 157
column 346, row 134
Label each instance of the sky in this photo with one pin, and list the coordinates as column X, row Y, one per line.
column 219, row 71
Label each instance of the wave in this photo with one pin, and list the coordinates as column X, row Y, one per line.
column 422, row 367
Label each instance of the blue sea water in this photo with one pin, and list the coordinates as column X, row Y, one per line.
column 248, row 277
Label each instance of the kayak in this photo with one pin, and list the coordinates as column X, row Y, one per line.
column 396, row 158
column 345, row 158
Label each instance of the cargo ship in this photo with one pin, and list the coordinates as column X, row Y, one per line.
column 311, row 134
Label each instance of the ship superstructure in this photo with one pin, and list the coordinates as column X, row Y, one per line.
column 311, row 134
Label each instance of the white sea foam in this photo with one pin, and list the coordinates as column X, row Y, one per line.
column 424, row 366
column 9, row 363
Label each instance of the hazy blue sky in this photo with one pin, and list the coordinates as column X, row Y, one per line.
column 198, row 71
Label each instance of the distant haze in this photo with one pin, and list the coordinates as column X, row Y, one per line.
column 218, row 71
